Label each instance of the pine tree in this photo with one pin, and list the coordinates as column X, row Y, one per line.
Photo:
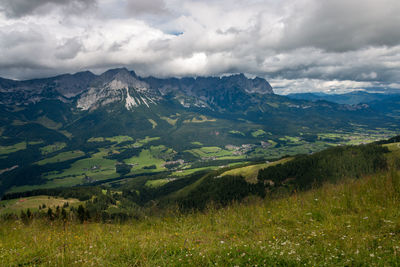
column 28, row 214
column 81, row 213
column 63, row 214
column 50, row 213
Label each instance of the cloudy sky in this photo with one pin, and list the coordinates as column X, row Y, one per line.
column 297, row 45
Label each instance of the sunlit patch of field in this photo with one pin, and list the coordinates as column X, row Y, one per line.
column 199, row 119
column 356, row 137
column 117, row 139
column 258, row 133
column 171, row 121
column 213, row 151
column 33, row 203
column 12, row 148
column 145, row 158
column 52, row 148
column 196, row 143
column 250, row 172
column 63, row 156
column 153, row 123
column 157, row 183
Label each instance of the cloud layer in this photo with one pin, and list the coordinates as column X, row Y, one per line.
column 299, row 43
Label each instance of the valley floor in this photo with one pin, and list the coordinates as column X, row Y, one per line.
column 354, row 223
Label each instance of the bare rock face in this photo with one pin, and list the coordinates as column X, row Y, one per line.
column 63, row 87
column 217, row 93
column 117, row 85
column 89, row 91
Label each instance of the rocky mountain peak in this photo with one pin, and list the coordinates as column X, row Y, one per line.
column 118, row 85
column 255, row 85
column 120, row 78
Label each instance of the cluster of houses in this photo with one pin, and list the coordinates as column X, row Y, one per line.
column 92, row 168
column 241, row 150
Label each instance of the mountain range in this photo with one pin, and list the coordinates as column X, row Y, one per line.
column 119, row 117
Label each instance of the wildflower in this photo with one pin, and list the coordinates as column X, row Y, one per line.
column 222, row 242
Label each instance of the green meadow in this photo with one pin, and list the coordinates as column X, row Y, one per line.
column 353, row 223
column 63, row 156
column 13, row 148
column 33, row 203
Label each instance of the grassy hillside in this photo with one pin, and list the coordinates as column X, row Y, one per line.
column 250, row 172
column 353, row 223
column 33, row 203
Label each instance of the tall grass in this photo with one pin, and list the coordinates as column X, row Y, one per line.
column 354, row 223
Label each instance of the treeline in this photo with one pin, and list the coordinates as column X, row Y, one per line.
column 330, row 165
column 103, row 207
column 391, row 140
column 82, row 193
column 56, row 214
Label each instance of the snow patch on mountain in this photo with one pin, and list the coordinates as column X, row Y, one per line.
column 129, row 101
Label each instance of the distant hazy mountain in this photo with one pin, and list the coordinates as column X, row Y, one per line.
column 352, row 98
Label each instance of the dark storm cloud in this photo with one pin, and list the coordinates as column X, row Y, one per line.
column 19, row 8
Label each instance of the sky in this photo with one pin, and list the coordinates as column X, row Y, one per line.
column 331, row 46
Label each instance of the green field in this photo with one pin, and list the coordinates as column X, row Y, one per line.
column 250, row 172
column 258, row 133
column 13, row 148
column 156, row 183
column 153, row 123
column 97, row 168
column 210, row 152
column 290, row 139
column 32, row 203
column 82, row 171
column 171, row 121
column 62, row 157
column 196, row 143
column 199, row 119
column 48, row 123
column 191, row 171
column 356, row 137
column 353, row 223
column 145, row 158
column 52, row 148
column 141, row 142
column 236, row 132
column 117, row 139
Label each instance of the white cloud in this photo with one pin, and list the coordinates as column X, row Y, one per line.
column 305, row 42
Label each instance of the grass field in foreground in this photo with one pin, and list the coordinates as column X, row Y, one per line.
column 355, row 223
